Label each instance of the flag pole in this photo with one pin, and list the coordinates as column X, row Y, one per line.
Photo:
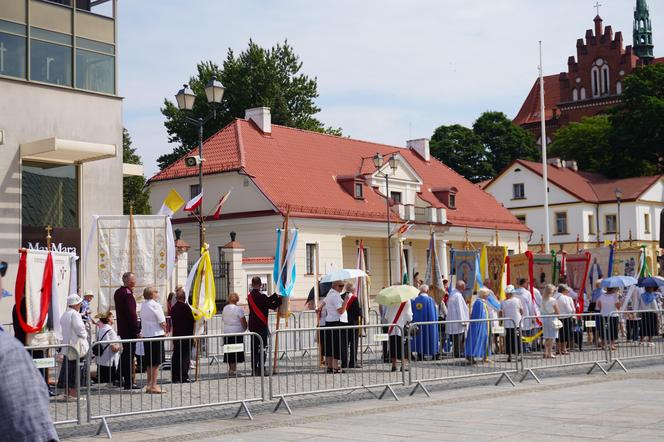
column 544, row 162
column 284, row 250
column 131, row 238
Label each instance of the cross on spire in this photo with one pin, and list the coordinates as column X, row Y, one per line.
column 597, row 6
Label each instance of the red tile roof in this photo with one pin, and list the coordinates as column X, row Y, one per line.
column 593, row 187
column 297, row 170
column 530, row 110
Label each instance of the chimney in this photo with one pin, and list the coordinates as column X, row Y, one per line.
column 573, row 165
column 261, row 117
column 421, row 147
column 555, row 162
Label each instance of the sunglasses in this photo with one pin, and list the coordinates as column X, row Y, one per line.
column 3, row 268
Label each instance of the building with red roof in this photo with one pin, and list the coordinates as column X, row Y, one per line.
column 583, row 206
column 335, row 196
column 594, row 79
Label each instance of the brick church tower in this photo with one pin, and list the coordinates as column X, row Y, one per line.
column 594, row 79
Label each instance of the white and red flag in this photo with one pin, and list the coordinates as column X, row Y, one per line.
column 194, row 203
column 217, row 209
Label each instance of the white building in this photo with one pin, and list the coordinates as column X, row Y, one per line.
column 60, row 126
column 336, row 198
column 583, row 206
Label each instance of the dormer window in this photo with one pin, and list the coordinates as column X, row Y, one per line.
column 353, row 185
column 359, row 191
column 452, row 201
column 446, row 195
column 396, row 197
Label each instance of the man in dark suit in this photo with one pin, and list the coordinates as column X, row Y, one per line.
column 259, row 309
column 128, row 328
column 183, row 325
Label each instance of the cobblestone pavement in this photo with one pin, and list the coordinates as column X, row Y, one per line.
column 623, row 406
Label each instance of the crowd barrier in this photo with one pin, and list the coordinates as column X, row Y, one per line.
column 439, row 351
column 641, row 336
column 304, row 372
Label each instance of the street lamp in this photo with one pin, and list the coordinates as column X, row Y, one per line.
column 618, row 194
column 378, row 163
column 214, row 92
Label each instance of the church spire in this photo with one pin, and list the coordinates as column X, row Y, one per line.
column 643, row 46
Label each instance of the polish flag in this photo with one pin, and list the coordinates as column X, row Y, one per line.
column 194, row 203
column 217, row 209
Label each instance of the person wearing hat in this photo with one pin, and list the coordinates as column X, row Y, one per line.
column 23, row 394
column 511, row 310
column 85, row 305
column 75, row 335
column 109, row 354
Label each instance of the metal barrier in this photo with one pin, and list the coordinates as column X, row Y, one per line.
column 304, row 373
column 307, row 319
column 52, row 362
column 203, row 385
column 640, row 335
column 445, row 350
column 567, row 337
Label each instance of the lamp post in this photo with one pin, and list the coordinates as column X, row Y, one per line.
column 618, row 194
column 378, row 163
column 214, row 92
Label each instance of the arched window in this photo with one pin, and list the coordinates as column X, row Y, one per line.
column 594, row 76
column 583, row 93
column 618, row 88
column 575, row 95
column 605, row 79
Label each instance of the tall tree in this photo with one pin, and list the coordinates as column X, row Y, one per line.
column 256, row 77
column 462, row 150
column 503, row 140
column 637, row 137
column 134, row 192
column 586, row 142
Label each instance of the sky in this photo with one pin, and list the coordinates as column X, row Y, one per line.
column 387, row 70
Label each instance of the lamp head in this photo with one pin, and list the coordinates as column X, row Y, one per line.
column 378, row 160
column 393, row 163
column 619, row 194
column 214, row 90
column 185, row 98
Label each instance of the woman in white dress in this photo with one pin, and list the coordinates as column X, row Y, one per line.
column 109, row 357
column 549, row 329
column 234, row 322
column 153, row 325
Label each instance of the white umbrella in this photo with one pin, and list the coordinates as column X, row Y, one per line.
column 343, row 274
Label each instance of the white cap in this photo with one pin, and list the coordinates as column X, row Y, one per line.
column 89, row 293
column 73, row 299
column 509, row 289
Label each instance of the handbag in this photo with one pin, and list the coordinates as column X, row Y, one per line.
column 99, row 350
column 557, row 323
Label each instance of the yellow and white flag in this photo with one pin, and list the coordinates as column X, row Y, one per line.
column 171, row 204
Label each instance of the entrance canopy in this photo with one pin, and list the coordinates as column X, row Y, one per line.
column 57, row 150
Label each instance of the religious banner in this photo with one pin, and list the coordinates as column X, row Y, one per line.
column 600, row 265
column 149, row 252
column 545, row 269
column 492, row 263
column 434, row 276
column 519, row 266
column 464, row 267
column 626, row 262
column 576, row 269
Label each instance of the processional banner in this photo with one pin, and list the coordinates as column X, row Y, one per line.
column 626, row 262
column 493, row 268
column 600, row 265
column 464, row 265
column 149, row 253
column 545, row 269
column 576, row 269
column 519, row 266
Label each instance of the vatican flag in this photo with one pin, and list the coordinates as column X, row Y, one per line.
column 171, row 204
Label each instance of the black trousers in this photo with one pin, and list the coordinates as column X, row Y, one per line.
column 181, row 360
column 126, row 362
column 349, row 339
column 258, row 352
column 457, row 345
column 512, row 339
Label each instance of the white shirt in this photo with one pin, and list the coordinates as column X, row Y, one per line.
column 73, row 329
column 511, row 309
column 457, row 310
column 565, row 306
column 608, row 304
column 232, row 316
column 529, row 307
column 151, row 316
column 108, row 358
column 538, row 297
column 405, row 317
column 333, row 303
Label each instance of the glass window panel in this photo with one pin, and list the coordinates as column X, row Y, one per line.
column 95, row 72
column 55, row 37
column 12, row 55
column 49, row 195
column 14, row 28
column 98, row 46
column 50, row 63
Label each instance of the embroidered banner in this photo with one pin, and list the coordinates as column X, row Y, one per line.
column 519, row 266
column 464, row 265
column 625, row 262
column 544, row 270
column 576, row 268
column 600, row 258
column 495, row 268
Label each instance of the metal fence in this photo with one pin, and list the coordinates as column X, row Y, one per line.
column 640, row 336
column 441, row 350
column 305, row 373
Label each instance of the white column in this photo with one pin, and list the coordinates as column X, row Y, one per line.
column 236, row 272
column 442, row 256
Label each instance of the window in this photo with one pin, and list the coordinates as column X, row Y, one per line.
column 591, row 224
column 310, row 259
column 521, row 218
column 359, row 191
column 646, row 222
column 518, row 191
column 583, row 93
column 611, row 223
column 396, row 197
column 194, row 190
column 452, row 204
column 50, row 57
column 619, row 88
column 599, row 75
column 594, row 74
column 95, row 66
column 12, row 49
column 575, row 94
column 561, row 223
column 60, row 183
column 605, row 79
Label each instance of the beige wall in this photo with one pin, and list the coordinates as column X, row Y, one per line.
column 30, row 112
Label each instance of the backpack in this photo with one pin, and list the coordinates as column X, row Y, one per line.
column 99, row 350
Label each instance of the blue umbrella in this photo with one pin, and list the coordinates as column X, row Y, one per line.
column 651, row 282
column 618, row 281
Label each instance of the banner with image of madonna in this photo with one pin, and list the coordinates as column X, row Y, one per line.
column 464, row 267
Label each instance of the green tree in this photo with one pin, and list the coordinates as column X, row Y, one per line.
column 503, row 140
column 637, row 138
column 134, row 191
column 462, row 150
column 587, row 142
column 256, row 77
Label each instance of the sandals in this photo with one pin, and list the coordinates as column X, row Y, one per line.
column 339, row 370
